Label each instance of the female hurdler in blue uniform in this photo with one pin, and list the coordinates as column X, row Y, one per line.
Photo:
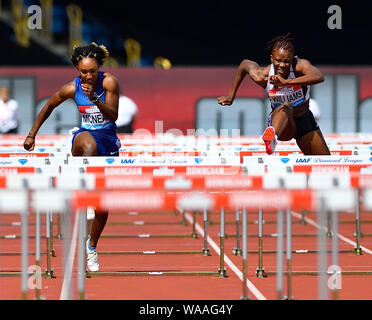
column 96, row 94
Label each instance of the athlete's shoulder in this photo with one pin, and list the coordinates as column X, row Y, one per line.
column 68, row 90
column 108, row 77
column 300, row 63
column 109, row 82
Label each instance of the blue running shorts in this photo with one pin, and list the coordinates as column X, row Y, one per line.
column 108, row 143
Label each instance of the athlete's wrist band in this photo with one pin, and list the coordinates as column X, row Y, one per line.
column 31, row 137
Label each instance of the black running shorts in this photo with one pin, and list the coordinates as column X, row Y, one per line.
column 304, row 124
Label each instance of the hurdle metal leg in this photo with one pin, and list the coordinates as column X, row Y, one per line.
column 206, row 251
column 358, row 249
column 59, row 226
column 303, row 220
column 82, row 254
column 260, row 271
column 49, row 272
column 335, row 262
column 222, row 270
column 52, row 252
column 322, row 248
column 24, row 278
column 184, row 222
column 289, row 255
column 245, row 295
column 237, row 251
column 329, row 219
column 67, row 286
column 37, row 256
column 193, row 233
column 279, row 255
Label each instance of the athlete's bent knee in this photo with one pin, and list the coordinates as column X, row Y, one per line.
column 89, row 148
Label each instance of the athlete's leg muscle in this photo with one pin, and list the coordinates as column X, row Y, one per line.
column 313, row 143
column 282, row 121
column 84, row 145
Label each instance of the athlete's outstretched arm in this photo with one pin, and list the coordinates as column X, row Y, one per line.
column 110, row 107
column 246, row 67
column 66, row 92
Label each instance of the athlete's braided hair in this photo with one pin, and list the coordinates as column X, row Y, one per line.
column 99, row 53
column 281, row 42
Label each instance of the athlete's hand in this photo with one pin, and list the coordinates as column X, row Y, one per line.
column 276, row 80
column 88, row 90
column 225, row 100
column 29, row 143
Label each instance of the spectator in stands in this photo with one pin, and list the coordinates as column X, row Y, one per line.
column 127, row 113
column 8, row 112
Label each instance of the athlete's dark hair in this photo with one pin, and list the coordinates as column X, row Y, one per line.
column 281, row 42
column 99, row 53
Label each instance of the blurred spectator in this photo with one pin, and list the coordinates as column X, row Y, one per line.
column 8, row 112
column 314, row 108
column 127, row 113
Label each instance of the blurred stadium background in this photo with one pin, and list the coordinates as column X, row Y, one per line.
column 174, row 58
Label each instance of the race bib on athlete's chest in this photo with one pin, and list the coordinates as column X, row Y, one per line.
column 292, row 94
column 92, row 118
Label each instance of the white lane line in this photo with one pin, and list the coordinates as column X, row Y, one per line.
column 313, row 223
column 227, row 260
column 70, row 263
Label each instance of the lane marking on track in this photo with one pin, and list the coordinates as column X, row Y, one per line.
column 227, row 260
column 66, row 285
column 313, row 223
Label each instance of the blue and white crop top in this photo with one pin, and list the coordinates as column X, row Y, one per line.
column 91, row 117
column 295, row 94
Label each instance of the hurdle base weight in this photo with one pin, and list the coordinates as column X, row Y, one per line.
column 247, row 297
column 237, row 252
column 49, row 274
column 288, row 298
column 206, row 252
column 358, row 251
column 81, row 296
column 59, row 236
column 260, row 273
column 222, row 273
